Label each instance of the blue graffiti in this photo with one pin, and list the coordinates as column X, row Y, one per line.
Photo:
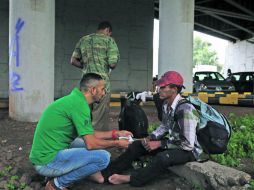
column 15, row 82
column 14, row 52
column 15, row 41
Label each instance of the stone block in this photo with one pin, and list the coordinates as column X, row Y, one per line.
column 211, row 175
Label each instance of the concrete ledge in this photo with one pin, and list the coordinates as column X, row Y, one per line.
column 211, row 175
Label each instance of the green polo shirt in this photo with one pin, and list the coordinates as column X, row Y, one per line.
column 61, row 122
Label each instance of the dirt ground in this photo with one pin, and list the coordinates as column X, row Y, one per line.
column 16, row 138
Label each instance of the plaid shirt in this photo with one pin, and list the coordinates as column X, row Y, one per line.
column 182, row 132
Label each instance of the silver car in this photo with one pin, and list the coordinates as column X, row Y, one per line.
column 209, row 81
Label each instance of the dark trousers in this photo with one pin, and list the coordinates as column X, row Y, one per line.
column 162, row 159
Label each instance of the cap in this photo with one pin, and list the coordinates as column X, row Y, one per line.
column 170, row 77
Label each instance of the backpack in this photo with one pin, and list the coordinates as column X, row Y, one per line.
column 133, row 118
column 214, row 130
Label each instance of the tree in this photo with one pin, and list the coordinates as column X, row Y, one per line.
column 203, row 55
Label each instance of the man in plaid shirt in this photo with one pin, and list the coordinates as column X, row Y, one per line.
column 179, row 147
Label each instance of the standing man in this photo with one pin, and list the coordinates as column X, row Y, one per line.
column 180, row 147
column 55, row 154
column 98, row 53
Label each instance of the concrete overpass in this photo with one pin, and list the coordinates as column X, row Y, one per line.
column 42, row 34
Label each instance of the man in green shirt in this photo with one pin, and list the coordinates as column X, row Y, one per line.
column 54, row 151
column 98, row 53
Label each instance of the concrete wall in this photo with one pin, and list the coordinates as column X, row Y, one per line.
column 132, row 22
column 239, row 57
column 4, row 37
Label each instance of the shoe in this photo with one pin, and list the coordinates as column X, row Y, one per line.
column 51, row 186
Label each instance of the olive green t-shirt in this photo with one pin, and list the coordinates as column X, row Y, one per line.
column 61, row 122
column 97, row 52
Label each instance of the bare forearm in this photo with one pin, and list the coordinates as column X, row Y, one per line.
column 101, row 143
column 103, row 134
column 114, row 134
column 101, row 139
column 76, row 63
column 112, row 66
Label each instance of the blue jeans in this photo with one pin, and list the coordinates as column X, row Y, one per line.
column 74, row 163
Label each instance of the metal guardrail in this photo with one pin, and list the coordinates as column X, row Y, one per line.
column 217, row 98
column 220, row 98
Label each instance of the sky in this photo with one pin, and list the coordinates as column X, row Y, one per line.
column 219, row 45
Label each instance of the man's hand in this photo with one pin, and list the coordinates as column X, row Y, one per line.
column 151, row 145
column 123, row 143
column 123, row 133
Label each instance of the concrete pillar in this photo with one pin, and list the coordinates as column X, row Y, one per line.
column 31, row 57
column 176, row 38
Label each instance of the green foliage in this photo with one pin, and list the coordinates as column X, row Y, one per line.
column 203, row 55
column 152, row 127
column 12, row 180
column 196, row 186
column 8, row 168
column 14, row 177
column 241, row 144
column 23, row 185
column 251, row 185
column 11, row 186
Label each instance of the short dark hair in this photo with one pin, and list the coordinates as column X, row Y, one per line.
column 105, row 24
column 89, row 80
column 179, row 88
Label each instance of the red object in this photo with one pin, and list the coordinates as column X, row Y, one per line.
column 114, row 135
column 170, row 77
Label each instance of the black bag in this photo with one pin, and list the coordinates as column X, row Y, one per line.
column 213, row 138
column 133, row 118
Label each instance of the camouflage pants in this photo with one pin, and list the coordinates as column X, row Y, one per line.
column 100, row 114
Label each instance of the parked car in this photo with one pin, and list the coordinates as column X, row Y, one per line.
column 209, row 81
column 243, row 81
